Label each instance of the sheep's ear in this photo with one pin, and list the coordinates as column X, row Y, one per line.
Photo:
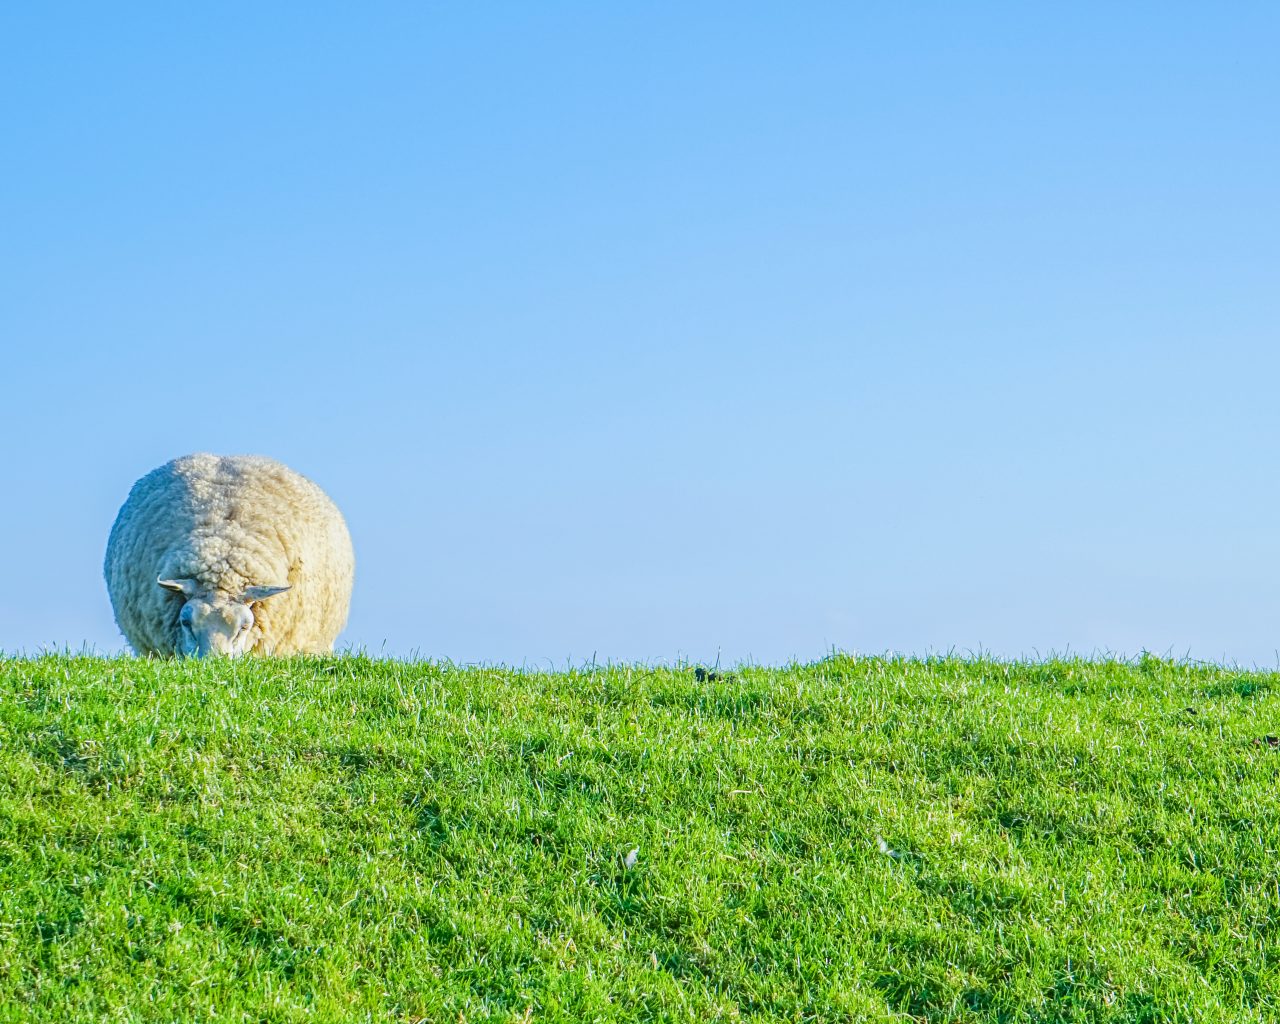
column 261, row 593
column 184, row 587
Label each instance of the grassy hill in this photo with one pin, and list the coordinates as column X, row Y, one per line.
column 859, row 839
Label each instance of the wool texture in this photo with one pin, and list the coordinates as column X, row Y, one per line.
column 230, row 522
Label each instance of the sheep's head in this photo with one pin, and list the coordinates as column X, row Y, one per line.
column 213, row 623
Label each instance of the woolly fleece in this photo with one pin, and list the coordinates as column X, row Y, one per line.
column 230, row 522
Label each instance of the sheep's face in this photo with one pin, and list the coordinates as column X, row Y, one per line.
column 216, row 624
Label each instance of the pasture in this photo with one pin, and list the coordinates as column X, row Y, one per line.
column 860, row 839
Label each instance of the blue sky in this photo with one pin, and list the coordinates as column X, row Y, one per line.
column 664, row 331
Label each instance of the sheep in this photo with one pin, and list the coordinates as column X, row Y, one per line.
column 224, row 555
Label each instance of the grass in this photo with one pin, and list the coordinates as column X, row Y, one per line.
column 857, row 840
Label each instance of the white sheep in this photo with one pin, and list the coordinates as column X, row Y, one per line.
column 224, row 555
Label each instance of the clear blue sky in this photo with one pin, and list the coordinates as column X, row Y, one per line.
column 656, row 331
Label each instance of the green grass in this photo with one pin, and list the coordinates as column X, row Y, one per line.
column 359, row 840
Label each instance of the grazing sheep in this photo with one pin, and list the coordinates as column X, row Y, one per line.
column 222, row 555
